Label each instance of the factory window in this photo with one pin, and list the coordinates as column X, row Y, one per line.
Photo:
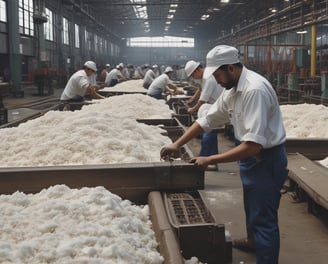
column 77, row 36
column 49, row 25
column 88, row 40
column 3, row 11
column 165, row 41
column 25, row 14
column 65, row 31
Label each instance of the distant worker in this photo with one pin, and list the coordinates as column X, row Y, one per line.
column 115, row 76
column 210, row 91
column 161, row 84
column 150, row 76
column 104, row 72
column 82, row 83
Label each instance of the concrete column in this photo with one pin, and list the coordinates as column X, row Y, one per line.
column 15, row 59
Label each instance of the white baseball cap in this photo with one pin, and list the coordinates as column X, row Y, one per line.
column 91, row 65
column 218, row 56
column 168, row 69
column 155, row 66
column 191, row 66
column 107, row 65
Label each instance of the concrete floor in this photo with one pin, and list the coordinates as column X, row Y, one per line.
column 304, row 237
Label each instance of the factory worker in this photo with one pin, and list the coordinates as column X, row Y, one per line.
column 125, row 71
column 138, row 73
column 161, row 84
column 115, row 76
column 104, row 72
column 210, row 91
column 149, row 76
column 251, row 105
column 81, row 83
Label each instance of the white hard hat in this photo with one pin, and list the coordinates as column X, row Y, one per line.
column 107, row 65
column 154, row 66
column 121, row 65
column 191, row 66
column 218, row 56
column 91, row 65
column 168, row 69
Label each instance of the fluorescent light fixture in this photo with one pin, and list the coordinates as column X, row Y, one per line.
column 168, row 22
column 301, row 31
column 204, row 17
column 170, row 16
column 172, row 10
column 173, row 5
column 225, row 1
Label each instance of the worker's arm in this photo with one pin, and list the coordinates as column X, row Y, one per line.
column 174, row 148
column 174, row 88
column 195, row 107
column 195, row 96
column 92, row 89
column 244, row 150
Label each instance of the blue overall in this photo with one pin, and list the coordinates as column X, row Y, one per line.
column 113, row 82
column 209, row 144
column 263, row 176
column 157, row 95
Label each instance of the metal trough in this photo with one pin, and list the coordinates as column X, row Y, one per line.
column 185, row 227
column 312, row 148
column 130, row 181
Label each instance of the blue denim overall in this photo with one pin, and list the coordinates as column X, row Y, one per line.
column 263, row 176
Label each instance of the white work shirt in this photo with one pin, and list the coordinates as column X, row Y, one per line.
column 211, row 90
column 112, row 75
column 149, row 76
column 159, row 84
column 76, row 85
column 252, row 108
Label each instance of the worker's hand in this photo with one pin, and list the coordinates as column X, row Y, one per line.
column 202, row 162
column 170, row 151
column 190, row 110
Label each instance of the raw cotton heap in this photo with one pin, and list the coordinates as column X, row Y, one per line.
column 63, row 225
column 131, row 86
column 305, row 120
column 78, row 138
column 136, row 106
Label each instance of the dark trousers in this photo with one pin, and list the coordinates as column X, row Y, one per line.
column 209, row 144
column 263, row 177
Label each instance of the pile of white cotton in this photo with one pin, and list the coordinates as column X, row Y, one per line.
column 78, row 138
column 63, row 225
column 130, row 86
column 136, row 106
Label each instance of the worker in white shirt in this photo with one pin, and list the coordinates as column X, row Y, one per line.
column 210, row 91
column 161, row 84
column 81, row 83
column 250, row 103
column 150, row 76
column 104, row 72
column 115, row 76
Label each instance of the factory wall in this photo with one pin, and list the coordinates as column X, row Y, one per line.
column 60, row 59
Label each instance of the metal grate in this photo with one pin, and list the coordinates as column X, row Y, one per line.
column 186, row 209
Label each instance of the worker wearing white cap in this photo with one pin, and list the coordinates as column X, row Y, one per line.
column 81, row 83
column 149, row 76
column 115, row 76
column 209, row 92
column 250, row 103
column 104, row 72
column 161, row 84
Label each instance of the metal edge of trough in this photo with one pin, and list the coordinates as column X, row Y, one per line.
column 312, row 148
column 129, row 181
column 169, row 246
column 295, row 171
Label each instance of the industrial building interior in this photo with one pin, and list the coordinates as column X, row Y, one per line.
column 44, row 42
